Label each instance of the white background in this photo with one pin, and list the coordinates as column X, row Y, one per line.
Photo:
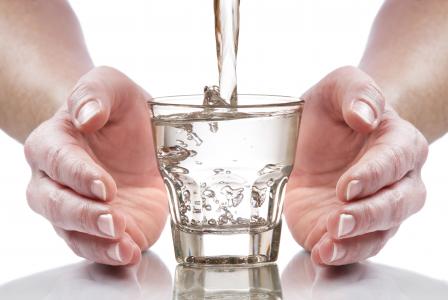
column 167, row 46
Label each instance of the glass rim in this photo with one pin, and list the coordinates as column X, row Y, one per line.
column 295, row 101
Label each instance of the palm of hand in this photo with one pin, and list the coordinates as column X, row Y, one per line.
column 125, row 150
column 325, row 151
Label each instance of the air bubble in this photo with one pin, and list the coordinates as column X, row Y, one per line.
column 213, row 126
column 218, row 171
column 233, row 195
column 181, row 143
column 270, row 168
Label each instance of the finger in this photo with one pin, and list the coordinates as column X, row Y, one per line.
column 352, row 96
column 66, row 162
column 330, row 252
column 101, row 96
column 385, row 210
column 121, row 252
column 70, row 211
column 389, row 159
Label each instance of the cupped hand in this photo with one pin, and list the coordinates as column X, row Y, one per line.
column 94, row 174
column 357, row 171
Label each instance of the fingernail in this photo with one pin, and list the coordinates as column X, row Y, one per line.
column 88, row 111
column 106, row 225
column 114, row 253
column 338, row 252
column 99, row 189
column 354, row 188
column 346, row 225
column 364, row 111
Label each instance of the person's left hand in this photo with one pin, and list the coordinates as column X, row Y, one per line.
column 357, row 171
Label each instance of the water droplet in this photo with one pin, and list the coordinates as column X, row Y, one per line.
column 212, row 222
column 228, row 172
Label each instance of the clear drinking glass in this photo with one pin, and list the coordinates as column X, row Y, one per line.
column 225, row 169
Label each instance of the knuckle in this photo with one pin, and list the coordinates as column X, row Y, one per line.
column 369, row 217
column 29, row 151
column 370, row 91
column 54, row 206
column 397, row 207
column 79, row 170
column 399, row 158
column 30, row 195
column 54, row 156
column 85, row 89
column 32, row 142
column 374, row 172
column 424, row 146
column 420, row 196
column 107, row 70
column 84, row 216
column 345, row 70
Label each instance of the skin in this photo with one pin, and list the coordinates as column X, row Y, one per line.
column 42, row 56
column 85, row 162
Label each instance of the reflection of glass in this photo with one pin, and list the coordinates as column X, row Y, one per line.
column 225, row 169
column 219, row 282
column 304, row 280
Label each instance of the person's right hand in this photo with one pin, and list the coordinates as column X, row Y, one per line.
column 94, row 173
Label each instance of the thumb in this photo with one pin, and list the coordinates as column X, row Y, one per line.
column 99, row 97
column 356, row 98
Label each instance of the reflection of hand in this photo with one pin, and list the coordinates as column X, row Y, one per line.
column 357, row 173
column 95, row 176
column 148, row 280
column 302, row 279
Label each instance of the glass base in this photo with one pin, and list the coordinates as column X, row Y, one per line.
column 225, row 248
